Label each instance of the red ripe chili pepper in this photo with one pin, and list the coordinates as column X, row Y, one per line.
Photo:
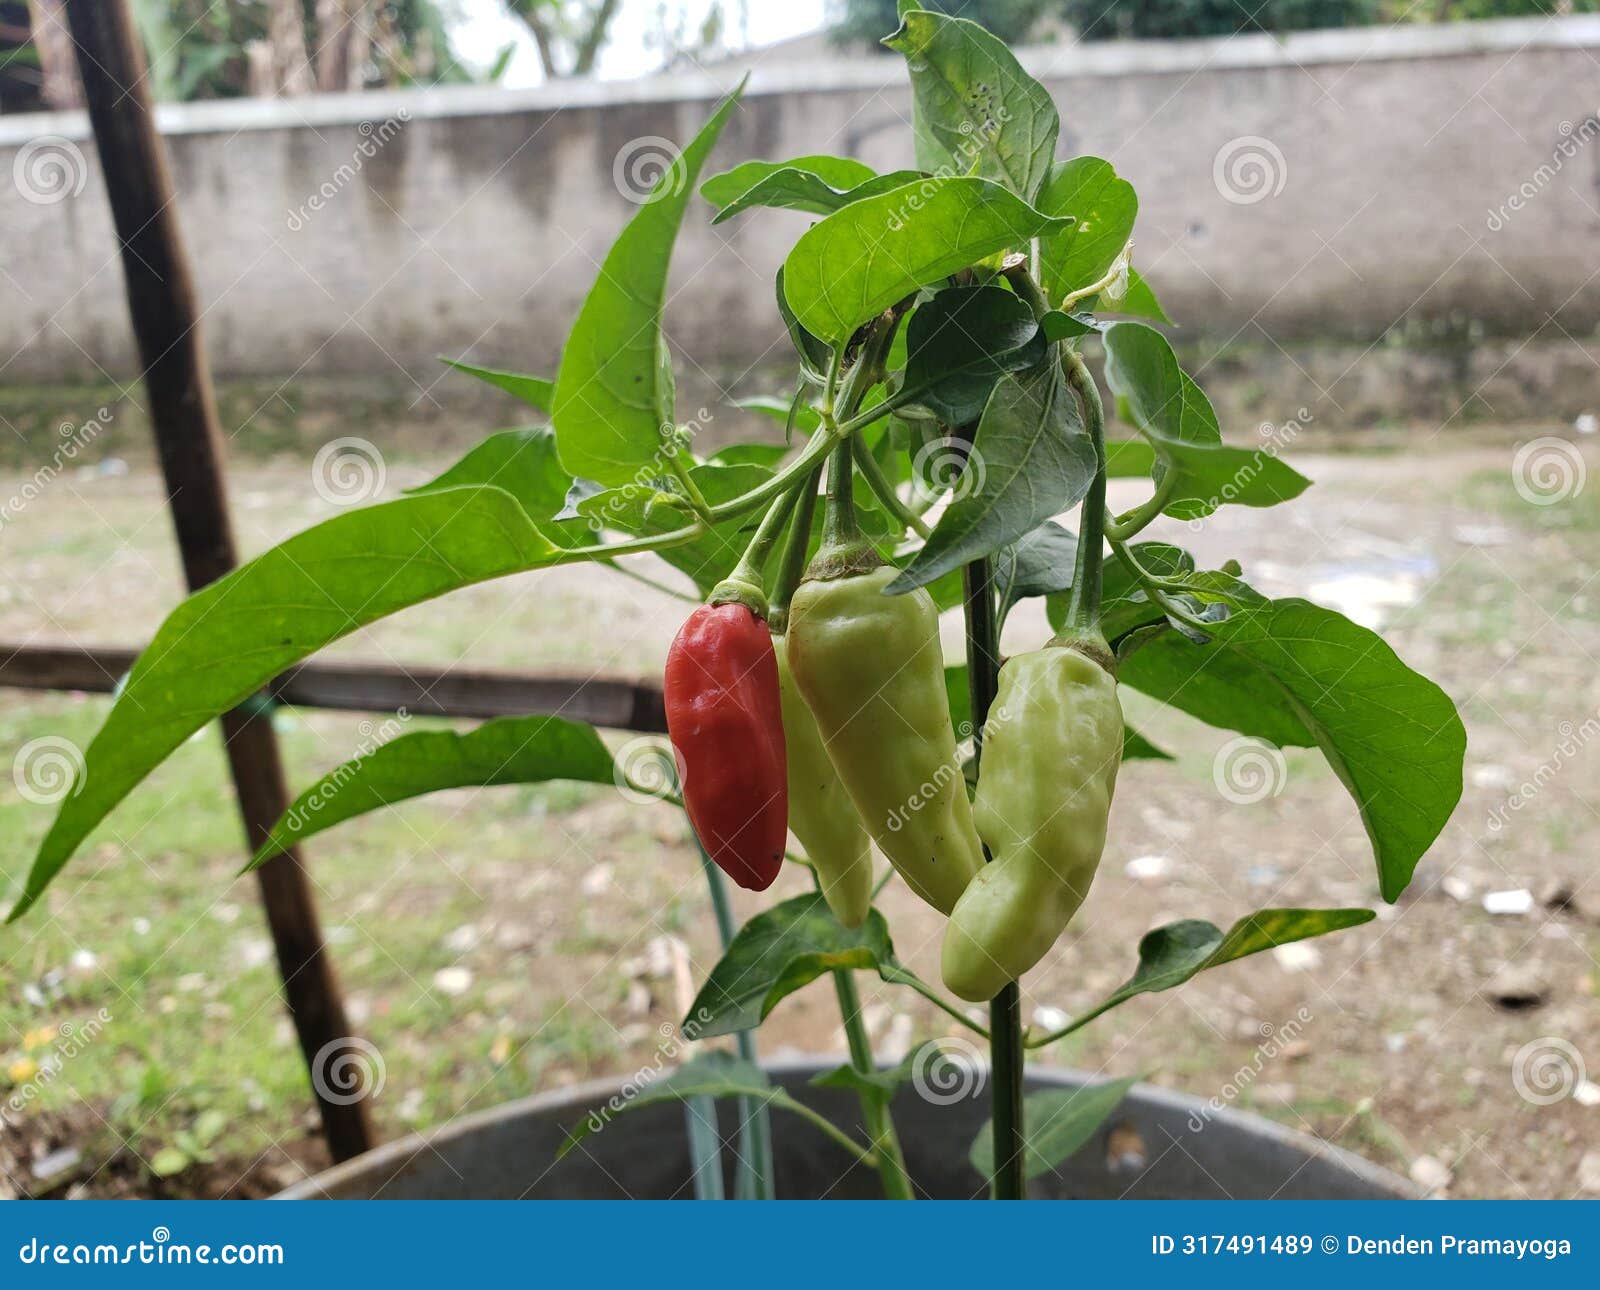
column 726, row 723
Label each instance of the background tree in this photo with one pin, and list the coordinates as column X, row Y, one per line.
column 569, row 33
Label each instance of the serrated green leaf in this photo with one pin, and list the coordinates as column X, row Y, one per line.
column 612, row 404
column 977, row 112
column 1104, row 207
column 1171, row 954
column 1031, row 459
column 226, row 641
column 862, row 259
column 507, row 750
column 535, row 391
column 1059, row 1122
column 777, row 952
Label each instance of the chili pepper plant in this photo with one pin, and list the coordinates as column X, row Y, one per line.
column 951, row 313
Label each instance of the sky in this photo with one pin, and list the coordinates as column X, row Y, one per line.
column 481, row 28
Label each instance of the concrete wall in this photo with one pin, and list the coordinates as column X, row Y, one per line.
column 1372, row 192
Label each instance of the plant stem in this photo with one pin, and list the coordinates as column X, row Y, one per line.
column 1083, row 608
column 755, row 1132
column 839, row 528
column 883, row 490
column 874, row 1113
column 1130, row 523
column 793, row 566
column 934, row 997
column 1006, row 1056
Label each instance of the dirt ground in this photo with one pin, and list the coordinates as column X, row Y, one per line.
column 501, row 942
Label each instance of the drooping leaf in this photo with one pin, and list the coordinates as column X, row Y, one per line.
column 1031, row 459
column 959, row 344
column 532, row 390
column 1170, row 410
column 1392, row 736
column 1039, row 563
column 1171, row 954
column 727, row 186
column 800, row 189
column 1060, row 1121
column 862, row 259
column 977, row 111
column 777, row 952
column 524, row 464
column 612, row 406
column 927, row 1060
column 508, row 750
column 815, row 355
column 224, row 642
column 1104, row 207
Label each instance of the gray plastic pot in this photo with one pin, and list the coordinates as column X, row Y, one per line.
column 1159, row 1144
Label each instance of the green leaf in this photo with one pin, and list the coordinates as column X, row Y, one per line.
column 1059, row 1123
column 1136, row 299
column 776, row 953
column 959, row 344
column 862, row 259
column 169, row 1161
column 532, row 390
column 613, row 401
column 816, row 356
column 1136, row 746
column 977, row 111
column 524, row 464
column 1170, row 955
column 1031, row 459
column 881, row 1083
column 1178, row 420
column 727, row 186
column 224, row 642
column 1124, row 606
column 807, row 420
column 1104, row 208
column 508, row 750
column 714, row 1075
column 1392, row 736
column 1039, row 563
column 797, row 188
